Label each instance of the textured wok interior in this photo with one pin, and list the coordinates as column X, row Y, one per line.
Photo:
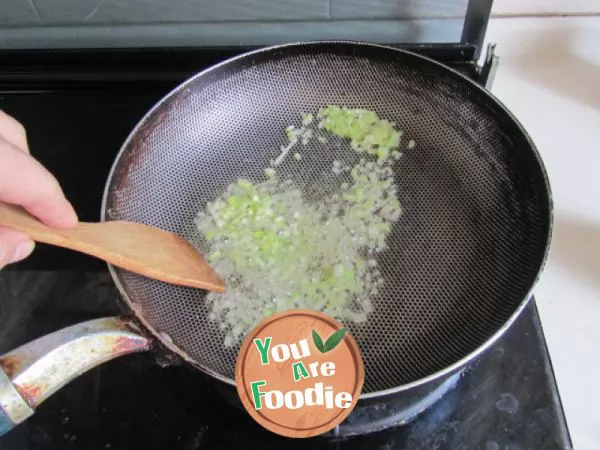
column 460, row 261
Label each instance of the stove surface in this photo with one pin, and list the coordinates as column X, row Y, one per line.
column 78, row 109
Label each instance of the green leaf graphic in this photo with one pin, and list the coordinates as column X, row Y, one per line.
column 318, row 341
column 334, row 340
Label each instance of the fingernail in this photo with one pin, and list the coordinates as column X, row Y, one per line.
column 23, row 251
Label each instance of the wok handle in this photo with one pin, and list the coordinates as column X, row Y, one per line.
column 33, row 372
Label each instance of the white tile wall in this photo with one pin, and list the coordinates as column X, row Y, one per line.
column 548, row 76
column 545, row 7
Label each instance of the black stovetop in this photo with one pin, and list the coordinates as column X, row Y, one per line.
column 78, row 107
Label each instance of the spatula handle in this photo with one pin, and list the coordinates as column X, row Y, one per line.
column 76, row 238
column 17, row 218
column 135, row 247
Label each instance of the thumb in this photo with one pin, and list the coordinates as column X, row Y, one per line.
column 25, row 182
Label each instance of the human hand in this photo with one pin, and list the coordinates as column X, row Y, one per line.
column 25, row 182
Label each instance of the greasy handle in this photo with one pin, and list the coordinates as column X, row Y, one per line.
column 17, row 218
column 5, row 423
column 32, row 373
column 13, row 407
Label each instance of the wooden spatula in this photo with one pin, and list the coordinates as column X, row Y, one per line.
column 135, row 247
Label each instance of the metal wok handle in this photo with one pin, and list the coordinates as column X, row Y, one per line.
column 33, row 372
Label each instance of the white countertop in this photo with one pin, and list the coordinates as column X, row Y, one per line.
column 549, row 76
